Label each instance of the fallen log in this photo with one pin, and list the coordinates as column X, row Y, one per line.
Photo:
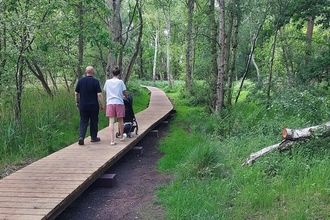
column 296, row 134
column 283, row 145
column 290, row 136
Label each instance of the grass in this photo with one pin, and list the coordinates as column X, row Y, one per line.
column 47, row 125
column 205, row 153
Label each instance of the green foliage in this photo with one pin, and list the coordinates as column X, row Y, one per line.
column 311, row 104
column 205, row 153
column 199, row 95
column 48, row 124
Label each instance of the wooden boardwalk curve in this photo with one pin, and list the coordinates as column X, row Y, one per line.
column 43, row 189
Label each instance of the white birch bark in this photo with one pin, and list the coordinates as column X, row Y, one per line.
column 221, row 63
column 290, row 136
column 155, row 56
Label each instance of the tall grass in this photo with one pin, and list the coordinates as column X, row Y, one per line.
column 47, row 125
column 205, row 153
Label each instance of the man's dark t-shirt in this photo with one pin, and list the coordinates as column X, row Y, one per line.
column 88, row 87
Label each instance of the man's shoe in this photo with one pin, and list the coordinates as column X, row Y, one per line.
column 81, row 141
column 96, row 139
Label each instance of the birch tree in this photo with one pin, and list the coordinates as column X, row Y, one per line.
column 156, row 44
column 166, row 7
column 221, row 62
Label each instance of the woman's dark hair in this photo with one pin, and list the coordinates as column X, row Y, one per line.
column 116, row 71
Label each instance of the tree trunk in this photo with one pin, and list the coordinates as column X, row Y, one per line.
column 162, row 66
column 35, row 69
column 221, row 68
column 290, row 136
column 256, row 155
column 256, row 67
column 141, row 72
column 3, row 44
column 53, row 81
column 115, row 28
column 80, row 40
column 213, row 54
column 137, row 46
column 228, row 36
column 19, row 88
column 253, row 45
column 271, row 68
column 232, row 61
column 168, row 51
column 155, row 56
column 309, row 35
column 189, row 49
column 300, row 134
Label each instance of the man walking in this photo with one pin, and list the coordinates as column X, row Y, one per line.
column 88, row 95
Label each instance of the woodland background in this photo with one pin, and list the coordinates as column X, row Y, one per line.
column 276, row 44
column 238, row 72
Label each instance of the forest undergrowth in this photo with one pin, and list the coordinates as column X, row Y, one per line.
column 205, row 152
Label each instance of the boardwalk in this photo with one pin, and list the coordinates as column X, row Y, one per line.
column 43, row 189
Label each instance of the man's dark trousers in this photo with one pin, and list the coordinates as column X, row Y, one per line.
column 91, row 117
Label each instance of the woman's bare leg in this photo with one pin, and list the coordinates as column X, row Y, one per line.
column 121, row 126
column 111, row 126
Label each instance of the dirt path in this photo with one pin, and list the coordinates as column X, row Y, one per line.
column 133, row 196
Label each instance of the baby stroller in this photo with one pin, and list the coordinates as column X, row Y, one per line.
column 130, row 123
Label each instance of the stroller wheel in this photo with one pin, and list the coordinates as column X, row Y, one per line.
column 117, row 134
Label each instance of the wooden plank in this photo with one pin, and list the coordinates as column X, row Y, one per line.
column 40, row 186
column 59, row 176
column 54, row 201
column 34, row 205
column 22, row 211
column 38, row 190
column 20, row 217
column 47, row 194
column 37, row 182
column 55, row 171
column 64, row 167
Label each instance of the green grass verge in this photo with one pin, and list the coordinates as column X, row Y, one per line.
column 204, row 152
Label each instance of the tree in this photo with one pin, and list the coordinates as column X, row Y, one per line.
column 138, row 42
column 166, row 7
column 3, row 39
column 80, row 9
column 221, row 67
column 154, row 66
column 115, row 28
column 235, row 20
column 189, row 48
column 22, row 37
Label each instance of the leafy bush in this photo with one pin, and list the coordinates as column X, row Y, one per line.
column 311, row 105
